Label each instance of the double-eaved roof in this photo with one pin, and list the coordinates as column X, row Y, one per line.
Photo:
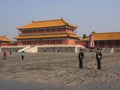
column 48, row 35
column 105, row 36
column 47, row 23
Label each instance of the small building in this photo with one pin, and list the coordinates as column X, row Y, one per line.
column 105, row 40
column 7, row 44
column 4, row 41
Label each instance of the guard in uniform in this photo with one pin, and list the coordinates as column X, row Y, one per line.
column 98, row 58
column 80, row 57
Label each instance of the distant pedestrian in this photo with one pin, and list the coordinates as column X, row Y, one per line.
column 98, row 58
column 80, row 57
column 4, row 54
column 10, row 52
column 22, row 55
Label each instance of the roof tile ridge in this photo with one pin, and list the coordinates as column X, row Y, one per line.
column 107, row 33
column 46, row 20
column 64, row 21
column 67, row 23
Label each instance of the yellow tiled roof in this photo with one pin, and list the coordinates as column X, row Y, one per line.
column 47, row 23
column 106, row 36
column 46, row 36
column 4, row 39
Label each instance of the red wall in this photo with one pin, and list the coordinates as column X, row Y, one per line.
column 8, row 44
column 71, row 42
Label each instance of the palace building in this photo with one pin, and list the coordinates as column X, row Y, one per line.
column 48, row 36
column 105, row 40
column 48, row 32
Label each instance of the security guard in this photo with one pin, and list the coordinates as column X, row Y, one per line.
column 98, row 58
column 80, row 57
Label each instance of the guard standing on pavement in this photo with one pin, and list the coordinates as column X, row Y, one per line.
column 98, row 58
column 80, row 57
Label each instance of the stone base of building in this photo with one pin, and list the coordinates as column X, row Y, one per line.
column 60, row 48
column 45, row 48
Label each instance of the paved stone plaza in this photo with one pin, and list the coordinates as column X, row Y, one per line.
column 60, row 69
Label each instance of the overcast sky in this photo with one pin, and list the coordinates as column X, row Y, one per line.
column 88, row 15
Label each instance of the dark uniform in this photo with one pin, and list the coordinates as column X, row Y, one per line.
column 98, row 58
column 80, row 57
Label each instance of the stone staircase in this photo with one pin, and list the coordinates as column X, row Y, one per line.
column 33, row 49
column 29, row 49
column 24, row 49
column 107, row 50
